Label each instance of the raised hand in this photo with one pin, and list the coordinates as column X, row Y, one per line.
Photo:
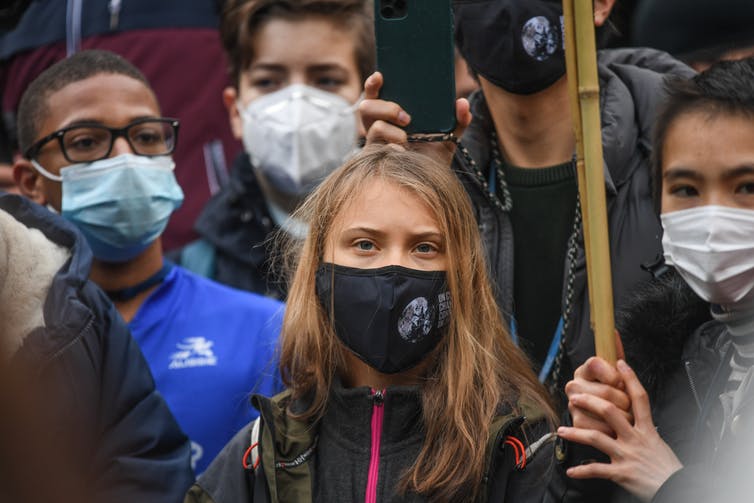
column 640, row 461
column 596, row 377
column 383, row 122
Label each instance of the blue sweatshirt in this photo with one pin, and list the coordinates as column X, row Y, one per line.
column 209, row 347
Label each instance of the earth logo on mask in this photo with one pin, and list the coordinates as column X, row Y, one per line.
column 416, row 320
column 539, row 38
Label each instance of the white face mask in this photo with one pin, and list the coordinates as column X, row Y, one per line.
column 297, row 136
column 712, row 247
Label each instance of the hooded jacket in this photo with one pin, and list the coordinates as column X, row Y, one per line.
column 682, row 358
column 98, row 391
column 659, row 325
column 631, row 83
column 717, row 464
column 235, row 226
column 361, row 447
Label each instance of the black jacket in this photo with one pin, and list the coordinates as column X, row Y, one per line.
column 631, row 83
column 682, row 357
column 235, row 226
column 717, row 464
column 99, row 390
column 330, row 460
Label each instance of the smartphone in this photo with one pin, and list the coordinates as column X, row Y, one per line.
column 415, row 54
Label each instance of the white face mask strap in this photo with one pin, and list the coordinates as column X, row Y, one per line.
column 244, row 110
column 45, row 173
column 241, row 109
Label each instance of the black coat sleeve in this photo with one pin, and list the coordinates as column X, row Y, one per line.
column 539, row 480
column 226, row 480
column 142, row 453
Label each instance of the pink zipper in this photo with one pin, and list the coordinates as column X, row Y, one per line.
column 378, row 413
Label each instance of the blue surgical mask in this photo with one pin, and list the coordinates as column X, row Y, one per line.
column 121, row 204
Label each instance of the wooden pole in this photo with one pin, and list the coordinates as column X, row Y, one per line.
column 583, row 84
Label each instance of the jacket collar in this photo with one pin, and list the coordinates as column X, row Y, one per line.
column 349, row 416
column 236, row 220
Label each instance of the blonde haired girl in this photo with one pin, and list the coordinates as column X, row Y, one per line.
column 403, row 382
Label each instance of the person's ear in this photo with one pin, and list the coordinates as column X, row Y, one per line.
column 230, row 98
column 602, row 9
column 29, row 181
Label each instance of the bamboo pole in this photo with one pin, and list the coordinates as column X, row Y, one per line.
column 583, row 84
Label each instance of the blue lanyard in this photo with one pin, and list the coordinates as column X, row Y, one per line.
column 551, row 353
column 555, row 344
column 492, row 178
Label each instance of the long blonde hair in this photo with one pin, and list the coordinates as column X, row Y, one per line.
column 478, row 368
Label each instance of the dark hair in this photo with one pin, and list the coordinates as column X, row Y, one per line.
column 242, row 18
column 85, row 64
column 726, row 88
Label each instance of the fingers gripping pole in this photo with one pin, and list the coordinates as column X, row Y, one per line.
column 583, row 85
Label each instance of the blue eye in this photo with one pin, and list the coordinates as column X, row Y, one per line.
column 365, row 245
column 425, row 248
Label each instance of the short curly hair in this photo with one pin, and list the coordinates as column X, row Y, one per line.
column 85, row 64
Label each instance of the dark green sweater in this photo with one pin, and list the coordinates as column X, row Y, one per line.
column 544, row 205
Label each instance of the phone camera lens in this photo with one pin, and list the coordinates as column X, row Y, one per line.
column 387, row 12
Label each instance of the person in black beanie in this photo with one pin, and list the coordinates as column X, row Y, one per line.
column 517, row 166
column 699, row 32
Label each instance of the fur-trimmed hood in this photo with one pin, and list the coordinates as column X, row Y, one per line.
column 28, row 263
column 102, row 411
column 43, row 263
column 655, row 322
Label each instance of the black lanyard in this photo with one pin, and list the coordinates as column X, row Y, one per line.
column 126, row 294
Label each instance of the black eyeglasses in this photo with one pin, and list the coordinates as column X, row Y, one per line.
column 92, row 142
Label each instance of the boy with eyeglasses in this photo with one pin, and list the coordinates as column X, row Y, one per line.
column 97, row 150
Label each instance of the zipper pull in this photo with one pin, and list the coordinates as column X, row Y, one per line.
column 378, row 397
column 114, row 9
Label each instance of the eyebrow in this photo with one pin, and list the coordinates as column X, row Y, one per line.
column 676, row 173
column 85, row 121
column 267, row 66
column 746, row 169
column 322, row 67
column 363, row 230
column 379, row 233
column 326, row 67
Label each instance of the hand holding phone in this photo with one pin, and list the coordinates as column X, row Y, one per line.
column 384, row 122
column 415, row 54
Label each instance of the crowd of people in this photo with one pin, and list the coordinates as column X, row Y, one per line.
column 347, row 313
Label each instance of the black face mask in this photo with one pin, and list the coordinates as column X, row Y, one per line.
column 391, row 317
column 515, row 44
